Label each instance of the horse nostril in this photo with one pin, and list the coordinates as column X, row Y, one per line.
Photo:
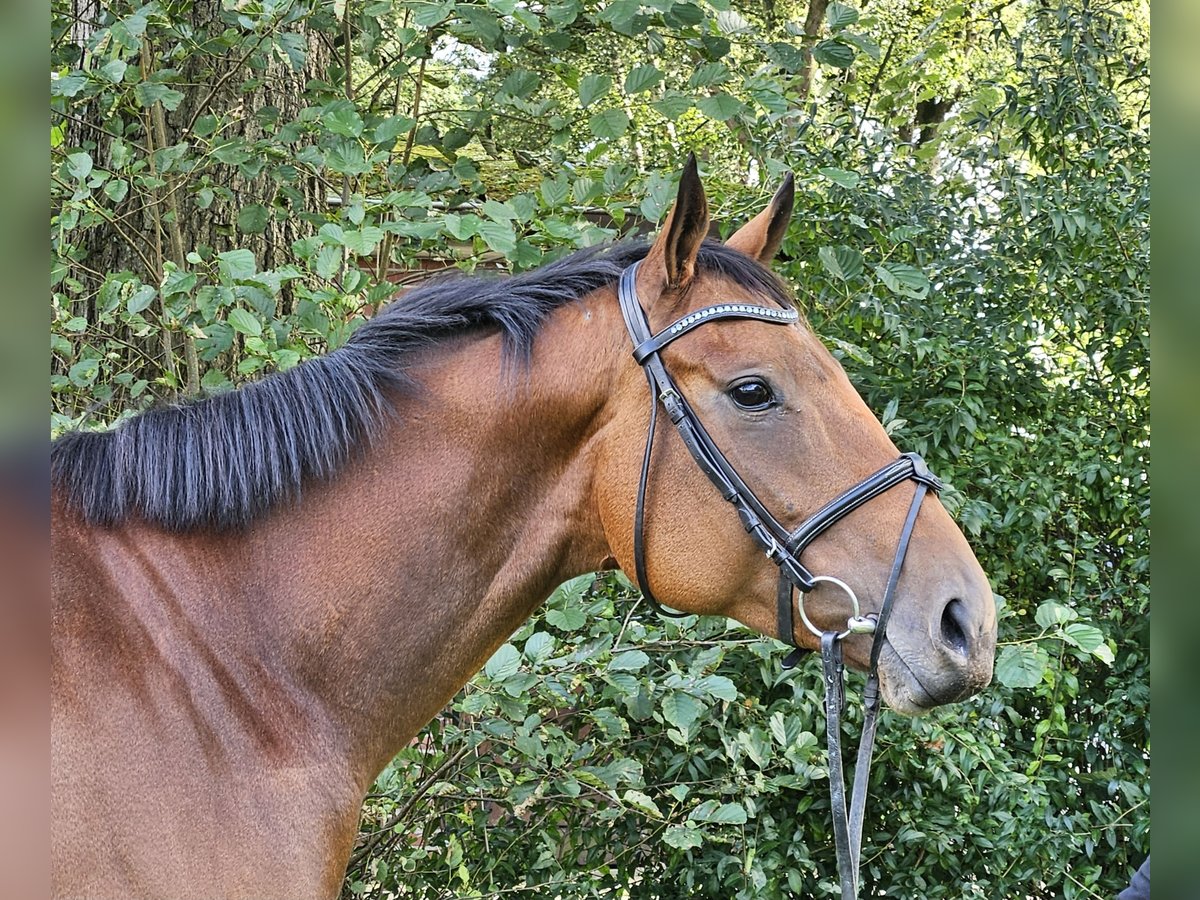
column 954, row 634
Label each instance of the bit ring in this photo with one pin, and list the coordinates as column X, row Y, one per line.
column 855, row 624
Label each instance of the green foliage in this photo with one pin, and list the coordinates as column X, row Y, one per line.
column 234, row 186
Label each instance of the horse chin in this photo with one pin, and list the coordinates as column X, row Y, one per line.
column 901, row 689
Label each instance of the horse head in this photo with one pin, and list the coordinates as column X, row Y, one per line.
column 793, row 429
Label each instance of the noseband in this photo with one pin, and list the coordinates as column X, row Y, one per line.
column 782, row 547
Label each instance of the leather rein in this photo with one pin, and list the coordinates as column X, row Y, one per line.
column 783, row 547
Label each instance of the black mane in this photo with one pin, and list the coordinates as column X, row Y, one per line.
column 222, row 461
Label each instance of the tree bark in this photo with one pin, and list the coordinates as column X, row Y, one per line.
column 812, row 32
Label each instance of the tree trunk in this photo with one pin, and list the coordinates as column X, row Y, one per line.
column 812, row 33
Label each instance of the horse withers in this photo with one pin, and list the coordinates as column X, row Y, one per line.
column 260, row 597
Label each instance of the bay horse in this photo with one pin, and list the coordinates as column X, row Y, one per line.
column 261, row 596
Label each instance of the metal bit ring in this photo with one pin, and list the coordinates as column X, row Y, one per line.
column 855, row 624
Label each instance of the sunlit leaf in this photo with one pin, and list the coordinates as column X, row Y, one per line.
column 1021, row 665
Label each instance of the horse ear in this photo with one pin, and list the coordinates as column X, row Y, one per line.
column 671, row 262
column 762, row 235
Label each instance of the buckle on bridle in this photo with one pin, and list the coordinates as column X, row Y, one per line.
column 672, row 403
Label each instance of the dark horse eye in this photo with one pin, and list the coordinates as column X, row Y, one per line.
column 753, row 394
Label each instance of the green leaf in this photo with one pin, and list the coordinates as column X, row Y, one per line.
column 140, row 299
column 592, row 88
column 641, row 801
column 500, row 212
column 834, row 53
column 629, row 661
column 683, row 837
column 244, row 322
column 520, row 83
column 862, row 42
column 363, row 241
column 116, row 190
column 841, row 262
column 729, row 814
column 79, row 165
column 555, row 191
column 285, row 359
column 658, row 197
column 569, row 619
column 67, row 85
column 786, row 729
column 340, row 117
column 839, row 15
column 563, row 12
column 673, row 104
column 1052, row 614
column 730, row 21
column 480, row 26
column 786, row 56
column 215, row 380
column 1089, row 639
column 906, row 232
column 150, row 92
column 462, row 228
column 684, row 15
column 503, row 664
column 84, row 372
column 114, row 70
column 540, row 646
column 903, row 280
column 346, row 158
column 236, row 265
column 609, row 125
column 623, row 16
column 253, row 219
column 328, row 261
column 708, row 74
column 840, row 176
column 720, row 106
column 295, row 47
column 723, row 814
column 642, row 78
column 1021, row 665
column 718, row 686
column 680, row 709
column 500, row 236
column 426, row 15
column 392, row 127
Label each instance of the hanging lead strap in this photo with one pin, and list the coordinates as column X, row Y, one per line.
column 835, row 698
column 848, row 825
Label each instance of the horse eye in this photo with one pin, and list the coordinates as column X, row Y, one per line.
column 753, row 394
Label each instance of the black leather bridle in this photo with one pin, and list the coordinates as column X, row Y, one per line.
column 782, row 547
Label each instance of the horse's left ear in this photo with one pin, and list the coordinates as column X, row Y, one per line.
column 762, row 235
column 671, row 262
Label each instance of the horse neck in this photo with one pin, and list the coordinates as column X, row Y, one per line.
column 400, row 578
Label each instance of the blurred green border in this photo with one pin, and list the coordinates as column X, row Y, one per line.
column 1175, row 341
column 24, row 157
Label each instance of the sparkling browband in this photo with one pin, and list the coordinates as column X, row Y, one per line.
column 720, row 311
column 786, row 315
